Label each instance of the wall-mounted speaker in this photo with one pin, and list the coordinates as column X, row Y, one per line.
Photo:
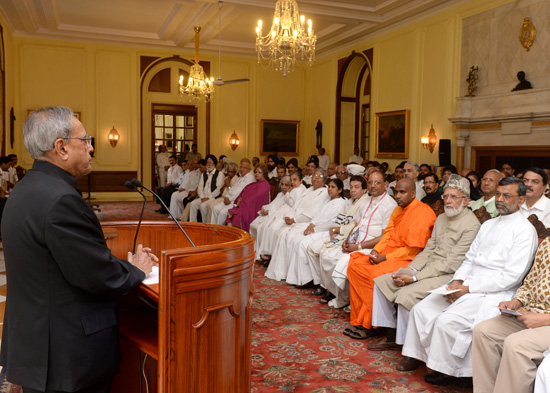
column 444, row 152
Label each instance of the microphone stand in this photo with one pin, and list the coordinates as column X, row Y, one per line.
column 137, row 183
column 131, row 186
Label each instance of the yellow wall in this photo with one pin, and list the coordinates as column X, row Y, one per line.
column 415, row 67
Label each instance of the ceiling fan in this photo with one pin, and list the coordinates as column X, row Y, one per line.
column 220, row 81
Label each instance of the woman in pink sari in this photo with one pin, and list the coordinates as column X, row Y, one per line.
column 250, row 200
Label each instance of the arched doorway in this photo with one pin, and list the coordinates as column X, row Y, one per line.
column 353, row 102
column 165, row 117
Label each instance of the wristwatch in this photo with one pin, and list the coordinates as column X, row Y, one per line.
column 415, row 279
column 359, row 247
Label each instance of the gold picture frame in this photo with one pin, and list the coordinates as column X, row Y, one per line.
column 392, row 134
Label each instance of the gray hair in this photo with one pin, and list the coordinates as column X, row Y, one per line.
column 414, row 164
column 320, row 170
column 495, row 171
column 233, row 165
column 44, row 126
column 285, row 179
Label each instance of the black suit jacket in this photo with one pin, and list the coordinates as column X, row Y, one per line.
column 60, row 326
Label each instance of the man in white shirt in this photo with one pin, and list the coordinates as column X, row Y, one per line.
column 165, row 193
column 230, row 179
column 398, row 175
column 210, row 186
column 356, row 158
column 536, row 181
column 324, row 159
column 412, row 170
column 163, row 163
column 176, row 200
column 440, row 334
column 331, row 171
column 219, row 212
column 342, row 174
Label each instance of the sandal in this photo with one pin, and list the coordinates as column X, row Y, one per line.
column 359, row 334
column 319, row 291
column 350, row 329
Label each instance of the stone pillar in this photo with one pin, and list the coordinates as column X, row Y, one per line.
column 462, row 136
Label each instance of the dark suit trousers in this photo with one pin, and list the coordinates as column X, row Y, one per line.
column 102, row 387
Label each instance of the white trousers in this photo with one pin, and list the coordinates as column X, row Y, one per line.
column 384, row 314
column 176, row 202
column 219, row 213
column 197, row 205
column 542, row 382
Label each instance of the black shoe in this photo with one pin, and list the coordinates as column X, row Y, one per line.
column 157, row 211
column 440, row 379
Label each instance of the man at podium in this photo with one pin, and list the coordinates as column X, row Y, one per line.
column 61, row 325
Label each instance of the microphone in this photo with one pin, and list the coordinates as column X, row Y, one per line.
column 132, row 187
column 137, row 183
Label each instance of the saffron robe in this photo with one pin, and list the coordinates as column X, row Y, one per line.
column 405, row 236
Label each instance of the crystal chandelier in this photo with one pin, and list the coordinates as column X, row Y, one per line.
column 199, row 87
column 288, row 40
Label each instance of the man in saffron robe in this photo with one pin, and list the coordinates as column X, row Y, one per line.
column 406, row 235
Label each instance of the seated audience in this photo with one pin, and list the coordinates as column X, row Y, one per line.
column 293, row 241
column 192, row 194
column 475, row 191
column 292, row 166
column 408, row 230
column 228, row 183
column 489, row 184
column 398, row 175
column 507, row 170
column 440, row 334
column 272, row 162
column 423, row 170
column 356, row 158
column 431, row 184
column 301, row 272
column 453, row 233
column 536, row 181
column 371, row 219
column 268, row 211
column 446, row 172
column 250, row 200
column 255, row 162
column 307, row 208
column 16, row 172
column 209, row 188
column 411, row 170
column 177, row 197
column 219, row 211
column 507, row 349
column 343, row 175
column 310, row 167
column 331, row 171
column 276, row 221
column 172, row 178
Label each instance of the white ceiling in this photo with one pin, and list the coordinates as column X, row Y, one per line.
column 169, row 23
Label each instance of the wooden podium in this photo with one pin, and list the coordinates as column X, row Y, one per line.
column 196, row 324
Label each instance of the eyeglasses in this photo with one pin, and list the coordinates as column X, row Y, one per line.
column 88, row 139
column 505, row 196
column 375, row 182
column 341, row 172
column 452, row 197
column 318, row 175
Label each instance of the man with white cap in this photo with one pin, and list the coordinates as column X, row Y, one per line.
column 451, row 238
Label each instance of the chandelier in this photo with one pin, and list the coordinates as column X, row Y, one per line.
column 199, row 87
column 288, row 40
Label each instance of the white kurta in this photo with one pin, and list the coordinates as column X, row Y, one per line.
column 272, row 208
column 372, row 219
column 176, row 204
column 265, row 237
column 292, row 247
column 205, row 191
column 308, row 206
column 542, row 382
column 219, row 212
column 162, row 161
column 439, row 333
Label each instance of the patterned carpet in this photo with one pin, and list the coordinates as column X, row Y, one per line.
column 297, row 344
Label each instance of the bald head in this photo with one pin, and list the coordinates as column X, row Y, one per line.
column 405, row 192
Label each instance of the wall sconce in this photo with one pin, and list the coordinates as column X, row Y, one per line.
column 113, row 136
column 429, row 142
column 234, row 141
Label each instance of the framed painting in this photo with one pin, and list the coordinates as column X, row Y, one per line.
column 392, row 134
column 280, row 135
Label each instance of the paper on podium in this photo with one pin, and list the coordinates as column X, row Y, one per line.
column 152, row 278
column 443, row 291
